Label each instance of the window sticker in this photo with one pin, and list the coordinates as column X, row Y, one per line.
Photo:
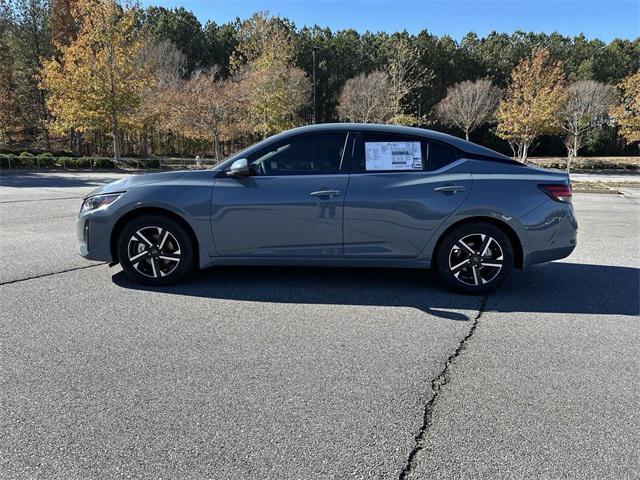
column 392, row 156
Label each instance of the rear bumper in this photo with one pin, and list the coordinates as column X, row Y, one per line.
column 551, row 233
column 543, row 256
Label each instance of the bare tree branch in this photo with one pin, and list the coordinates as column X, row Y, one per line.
column 586, row 107
column 365, row 99
column 468, row 105
column 405, row 73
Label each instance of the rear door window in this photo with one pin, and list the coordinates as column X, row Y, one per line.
column 381, row 152
column 385, row 153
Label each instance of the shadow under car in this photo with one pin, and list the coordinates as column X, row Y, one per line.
column 556, row 287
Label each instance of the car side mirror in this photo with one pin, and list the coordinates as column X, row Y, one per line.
column 239, row 168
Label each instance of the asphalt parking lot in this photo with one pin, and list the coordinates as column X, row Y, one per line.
column 313, row 373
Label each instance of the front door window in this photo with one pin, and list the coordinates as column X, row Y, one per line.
column 313, row 154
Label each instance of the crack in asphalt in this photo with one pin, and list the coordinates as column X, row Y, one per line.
column 436, row 386
column 18, row 280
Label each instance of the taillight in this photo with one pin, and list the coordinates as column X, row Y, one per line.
column 559, row 192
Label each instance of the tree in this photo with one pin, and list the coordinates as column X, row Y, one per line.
column 11, row 125
column 262, row 35
column 62, row 23
column 627, row 111
column 469, row 105
column 166, row 64
column 205, row 107
column 274, row 96
column 365, row 99
column 532, row 104
column 180, row 27
column 97, row 83
column 32, row 43
column 619, row 59
column 274, row 91
column 220, row 41
column 339, row 56
column 586, row 107
column 405, row 75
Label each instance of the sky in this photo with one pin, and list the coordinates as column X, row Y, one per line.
column 595, row 18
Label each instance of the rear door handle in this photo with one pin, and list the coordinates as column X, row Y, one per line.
column 325, row 193
column 449, row 189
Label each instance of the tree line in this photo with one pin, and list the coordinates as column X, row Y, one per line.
column 100, row 77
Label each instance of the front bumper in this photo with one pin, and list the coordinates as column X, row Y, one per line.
column 93, row 239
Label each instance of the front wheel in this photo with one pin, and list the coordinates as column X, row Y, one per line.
column 155, row 250
column 474, row 258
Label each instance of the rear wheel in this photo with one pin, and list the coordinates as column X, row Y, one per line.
column 474, row 258
column 155, row 250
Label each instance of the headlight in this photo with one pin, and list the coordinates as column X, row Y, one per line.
column 99, row 201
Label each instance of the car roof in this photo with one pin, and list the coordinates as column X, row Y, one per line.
column 461, row 144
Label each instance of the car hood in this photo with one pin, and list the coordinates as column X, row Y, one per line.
column 137, row 180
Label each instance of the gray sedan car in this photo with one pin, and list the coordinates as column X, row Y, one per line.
column 339, row 195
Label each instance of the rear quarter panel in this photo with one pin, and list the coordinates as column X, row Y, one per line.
column 505, row 192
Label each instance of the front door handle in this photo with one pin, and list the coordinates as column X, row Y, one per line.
column 325, row 193
column 449, row 189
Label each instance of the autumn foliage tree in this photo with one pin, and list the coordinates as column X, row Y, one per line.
column 62, row 22
column 627, row 111
column 166, row 64
column 97, row 82
column 205, row 108
column 275, row 91
column 274, row 96
column 532, row 103
column 469, row 104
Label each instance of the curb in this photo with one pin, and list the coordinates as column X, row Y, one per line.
column 606, row 192
column 18, row 171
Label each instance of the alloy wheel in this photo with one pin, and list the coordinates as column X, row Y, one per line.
column 476, row 259
column 154, row 251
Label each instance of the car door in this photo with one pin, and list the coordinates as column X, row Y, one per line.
column 292, row 203
column 401, row 189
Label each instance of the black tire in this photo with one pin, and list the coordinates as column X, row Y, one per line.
column 141, row 240
column 469, row 272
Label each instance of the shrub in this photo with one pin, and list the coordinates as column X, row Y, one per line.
column 103, row 163
column 45, row 155
column 82, row 162
column 26, row 155
column 25, row 161
column 47, row 161
column 63, row 161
